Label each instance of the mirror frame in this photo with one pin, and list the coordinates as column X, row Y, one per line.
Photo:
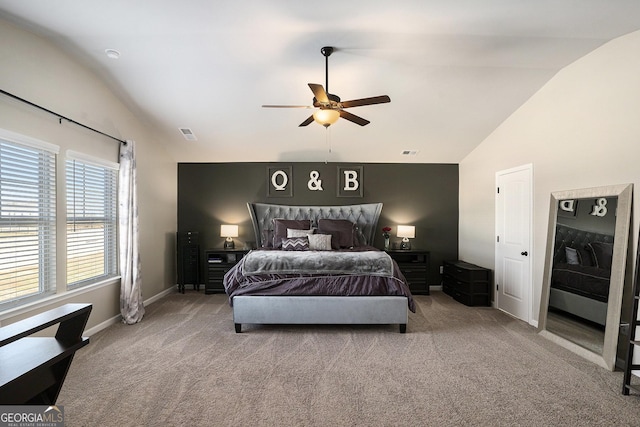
column 618, row 266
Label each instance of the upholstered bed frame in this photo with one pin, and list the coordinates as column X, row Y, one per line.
column 318, row 309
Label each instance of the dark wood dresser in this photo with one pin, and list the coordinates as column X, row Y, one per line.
column 188, row 257
column 467, row 283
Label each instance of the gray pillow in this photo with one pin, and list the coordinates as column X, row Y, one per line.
column 280, row 227
column 602, row 254
column 572, row 256
column 341, row 230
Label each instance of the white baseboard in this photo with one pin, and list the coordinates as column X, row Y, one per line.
column 162, row 294
column 104, row 325
column 116, row 319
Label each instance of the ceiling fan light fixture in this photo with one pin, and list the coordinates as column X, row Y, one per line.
column 331, row 108
column 326, row 117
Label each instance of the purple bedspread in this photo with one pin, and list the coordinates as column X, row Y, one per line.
column 236, row 283
column 590, row 282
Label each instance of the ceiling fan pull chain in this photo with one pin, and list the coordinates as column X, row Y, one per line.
column 328, row 142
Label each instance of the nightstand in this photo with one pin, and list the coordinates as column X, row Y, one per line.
column 218, row 262
column 414, row 265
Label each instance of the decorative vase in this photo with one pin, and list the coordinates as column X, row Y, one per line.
column 386, row 243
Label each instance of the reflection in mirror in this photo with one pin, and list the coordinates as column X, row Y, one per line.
column 581, row 270
column 585, row 270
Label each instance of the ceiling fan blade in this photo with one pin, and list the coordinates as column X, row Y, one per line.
column 353, row 118
column 319, row 92
column 366, row 101
column 287, row 106
column 306, row 122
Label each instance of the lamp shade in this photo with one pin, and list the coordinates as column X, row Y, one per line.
column 326, row 117
column 407, row 231
column 227, row 230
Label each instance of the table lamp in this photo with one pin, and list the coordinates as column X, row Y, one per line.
column 406, row 232
column 228, row 231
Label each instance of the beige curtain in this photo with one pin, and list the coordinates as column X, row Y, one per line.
column 131, row 306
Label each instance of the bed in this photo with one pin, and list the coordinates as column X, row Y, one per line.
column 581, row 273
column 315, row 265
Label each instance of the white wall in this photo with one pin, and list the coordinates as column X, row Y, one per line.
column 581, row 130
column 34, row 69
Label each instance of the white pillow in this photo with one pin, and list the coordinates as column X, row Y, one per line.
column 319, row 242
column 292, row 232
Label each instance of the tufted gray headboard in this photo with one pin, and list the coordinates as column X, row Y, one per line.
column 365, row 216
column 575, row 238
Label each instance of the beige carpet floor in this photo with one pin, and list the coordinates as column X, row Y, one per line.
column 184, row 365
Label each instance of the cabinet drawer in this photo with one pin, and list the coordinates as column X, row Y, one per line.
column 213, row 287
column 446, row 287
column 471, row 299
column 412, row 274
column 465, row 272
column 467, row 287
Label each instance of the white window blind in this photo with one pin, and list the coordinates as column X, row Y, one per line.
column 91, row 222
column 27, row 221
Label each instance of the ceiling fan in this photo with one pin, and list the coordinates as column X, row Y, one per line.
column 330, row 107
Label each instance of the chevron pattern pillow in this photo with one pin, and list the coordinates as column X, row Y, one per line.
column 295, row 244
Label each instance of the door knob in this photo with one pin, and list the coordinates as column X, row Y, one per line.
column 525, row 253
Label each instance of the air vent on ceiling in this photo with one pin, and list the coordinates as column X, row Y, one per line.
column 188, row 134
column 409, row 152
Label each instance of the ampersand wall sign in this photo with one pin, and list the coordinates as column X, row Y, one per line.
column 315, row 183
column 600, row 208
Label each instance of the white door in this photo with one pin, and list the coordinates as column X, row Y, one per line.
column 513, row 241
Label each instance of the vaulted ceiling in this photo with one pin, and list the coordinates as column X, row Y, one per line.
column 454, row 70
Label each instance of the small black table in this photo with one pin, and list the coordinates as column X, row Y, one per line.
column 414, row 265
column 219, row 261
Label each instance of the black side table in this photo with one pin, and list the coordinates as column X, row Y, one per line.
column 414, row 265
column 219, row 261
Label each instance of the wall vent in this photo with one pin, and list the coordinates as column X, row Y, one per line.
column 188, row 134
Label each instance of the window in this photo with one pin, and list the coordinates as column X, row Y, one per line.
column 27, row 219
column 91, row 220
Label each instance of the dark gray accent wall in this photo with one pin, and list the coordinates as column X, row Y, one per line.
column 423, row 195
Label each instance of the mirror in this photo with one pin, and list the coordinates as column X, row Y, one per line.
column 584, row 270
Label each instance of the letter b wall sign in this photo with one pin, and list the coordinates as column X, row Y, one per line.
column 349, row 181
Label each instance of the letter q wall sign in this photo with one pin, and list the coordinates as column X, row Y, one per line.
column 279, row 181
